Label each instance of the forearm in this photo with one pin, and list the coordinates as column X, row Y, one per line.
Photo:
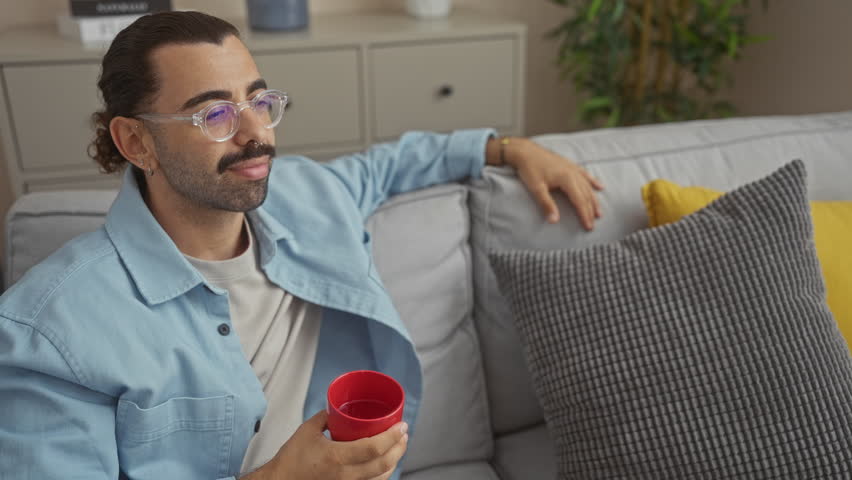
column 417, row 160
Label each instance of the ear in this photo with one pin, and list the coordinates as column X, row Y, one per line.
column 129, row 135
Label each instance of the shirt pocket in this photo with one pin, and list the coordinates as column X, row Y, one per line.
column 181, row 438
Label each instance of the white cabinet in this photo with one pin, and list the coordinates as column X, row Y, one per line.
column 325, row 92
column 353, row 80
column 44, row 109
column 446, row 85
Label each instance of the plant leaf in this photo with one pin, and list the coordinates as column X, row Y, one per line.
column 733, row 45
column 618, row 11
column 593, row 10
column 596, row 103
column 614, row 117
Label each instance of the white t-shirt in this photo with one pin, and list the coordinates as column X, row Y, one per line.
column 278, row 334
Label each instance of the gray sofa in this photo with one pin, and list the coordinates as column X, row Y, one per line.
column 480, row 418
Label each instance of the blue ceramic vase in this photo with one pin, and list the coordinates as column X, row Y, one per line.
column 278, row 14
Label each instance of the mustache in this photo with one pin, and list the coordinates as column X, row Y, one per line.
column 252, row 150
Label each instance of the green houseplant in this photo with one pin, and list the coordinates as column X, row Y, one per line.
column 648, row 61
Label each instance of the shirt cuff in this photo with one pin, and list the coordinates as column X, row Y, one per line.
column 466, row 152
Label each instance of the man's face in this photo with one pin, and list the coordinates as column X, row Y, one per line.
column 230, row 175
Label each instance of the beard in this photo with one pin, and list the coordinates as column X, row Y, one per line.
column 215, row 190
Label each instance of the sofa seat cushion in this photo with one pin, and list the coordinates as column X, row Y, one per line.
column 699, row 349
column 456, row 471
column 527, row 454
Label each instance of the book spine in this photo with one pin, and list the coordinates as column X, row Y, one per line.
column 95, row 29
column 97, row 8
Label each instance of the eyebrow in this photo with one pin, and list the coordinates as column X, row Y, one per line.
column 220, row 94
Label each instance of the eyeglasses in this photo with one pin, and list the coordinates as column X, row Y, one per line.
column 221, row 119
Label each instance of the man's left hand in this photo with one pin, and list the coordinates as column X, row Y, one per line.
column 544, row 171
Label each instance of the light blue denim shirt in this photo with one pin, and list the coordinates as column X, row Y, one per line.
column 113, row 359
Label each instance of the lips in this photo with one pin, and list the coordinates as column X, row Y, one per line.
column 253, row 169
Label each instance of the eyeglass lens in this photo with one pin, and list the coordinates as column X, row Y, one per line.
column 224, row 119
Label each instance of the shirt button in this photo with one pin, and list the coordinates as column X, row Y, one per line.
column 257, row 426
column 224, row 329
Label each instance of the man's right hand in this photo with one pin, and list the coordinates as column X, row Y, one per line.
column 309, row 455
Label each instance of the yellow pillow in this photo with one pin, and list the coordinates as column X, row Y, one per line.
column 667, row 202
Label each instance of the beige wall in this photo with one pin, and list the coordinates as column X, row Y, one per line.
column 806, row 67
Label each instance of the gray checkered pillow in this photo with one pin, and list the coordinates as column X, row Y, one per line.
column 699, row 349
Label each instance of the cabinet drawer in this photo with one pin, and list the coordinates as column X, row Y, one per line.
column 442, row 87
column 51, row 108
column 324, row 88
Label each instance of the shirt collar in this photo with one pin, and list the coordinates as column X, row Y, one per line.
column 157, row 266
column 268, row 231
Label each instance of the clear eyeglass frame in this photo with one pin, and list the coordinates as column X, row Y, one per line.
column 199, row 119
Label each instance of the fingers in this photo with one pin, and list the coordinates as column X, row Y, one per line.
column 386, row 464
column 580, row 187
column 597, row 205
column 584, row 202
column 596, row 184
column 371, row 448
column 317, row 423
column 542, row 196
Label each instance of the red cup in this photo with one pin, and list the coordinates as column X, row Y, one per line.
column 363, row 403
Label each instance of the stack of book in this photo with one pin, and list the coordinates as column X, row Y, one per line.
column 99, row 21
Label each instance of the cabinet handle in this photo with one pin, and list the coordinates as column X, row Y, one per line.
column 445, row 91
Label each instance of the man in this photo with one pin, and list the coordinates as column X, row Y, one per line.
column 195, row 332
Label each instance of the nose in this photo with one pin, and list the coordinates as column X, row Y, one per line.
column 252, row 127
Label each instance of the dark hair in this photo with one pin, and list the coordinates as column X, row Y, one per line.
column 128, row 81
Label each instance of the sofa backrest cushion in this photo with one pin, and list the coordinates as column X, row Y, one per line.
column 420, row 244
column 721, row 154
column 39, row 223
